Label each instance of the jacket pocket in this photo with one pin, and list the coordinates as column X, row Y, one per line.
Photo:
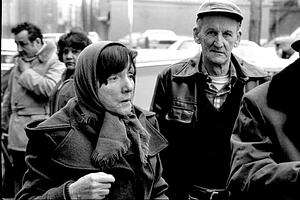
column 181, row 115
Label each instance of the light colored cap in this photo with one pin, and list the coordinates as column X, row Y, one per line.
column 220, row 6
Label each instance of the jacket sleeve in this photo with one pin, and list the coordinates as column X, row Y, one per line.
column 255, row 170
column 6, row 105
column 42, row 84
column 160, row 100
column 39, row 181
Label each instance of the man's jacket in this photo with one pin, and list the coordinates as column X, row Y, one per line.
column 198, row 133
column 266, row 141
column 28, row 92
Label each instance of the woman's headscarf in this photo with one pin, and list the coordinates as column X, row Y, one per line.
column 112, row 140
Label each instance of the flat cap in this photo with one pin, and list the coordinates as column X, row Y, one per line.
column 226, row 7
column 296, row 45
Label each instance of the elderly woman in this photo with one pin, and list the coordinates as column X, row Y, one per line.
column 99, row 145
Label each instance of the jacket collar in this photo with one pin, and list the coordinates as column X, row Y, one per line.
column 48, row 49
column 284, row 87
column 243, row 69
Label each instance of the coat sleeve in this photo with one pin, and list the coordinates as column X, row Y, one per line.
column 160, row 185
column 256, row 172
column 42, row 84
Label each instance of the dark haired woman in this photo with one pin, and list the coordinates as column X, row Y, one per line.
column 69, row 47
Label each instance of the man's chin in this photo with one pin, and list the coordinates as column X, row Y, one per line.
column 219, row 61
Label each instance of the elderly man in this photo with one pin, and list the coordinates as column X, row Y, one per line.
column 197, row 101
column 36, row 72
column 265, row 140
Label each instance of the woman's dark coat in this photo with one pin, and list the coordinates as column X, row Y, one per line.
column 59, row 151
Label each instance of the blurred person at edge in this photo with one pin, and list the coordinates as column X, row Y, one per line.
column 69, row 47
column 37, row 70
column 99, row 145
column 266, row 141
column 197, row 101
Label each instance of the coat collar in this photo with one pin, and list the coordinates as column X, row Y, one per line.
column 243, row 69
column 67, row 152
column 284, row 87
column 48, row 49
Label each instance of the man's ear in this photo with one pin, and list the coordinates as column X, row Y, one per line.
column 38, row 41
column 196, row 35
column 239, row 36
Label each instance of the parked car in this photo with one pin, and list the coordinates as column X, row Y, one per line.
column 94, row 37
column 158, row 38
column 8, row 52
column 149, row 62
column 186, row 43
column 135, row 39
column 283, row 43
column 263, row 57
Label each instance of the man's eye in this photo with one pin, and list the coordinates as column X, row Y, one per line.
column 227, row 34
column 212, row 33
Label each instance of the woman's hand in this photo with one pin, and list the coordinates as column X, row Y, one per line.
column 91, row 186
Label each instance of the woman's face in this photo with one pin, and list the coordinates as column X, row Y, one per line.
column 116, row 96
column 70, row 56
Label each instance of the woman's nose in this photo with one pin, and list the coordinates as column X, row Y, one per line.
column 69, row 54
column 128, row 84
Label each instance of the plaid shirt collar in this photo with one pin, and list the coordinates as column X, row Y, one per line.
column 232, row 73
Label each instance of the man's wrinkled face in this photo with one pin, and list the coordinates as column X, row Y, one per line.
column 26, row 48
column 217, row 35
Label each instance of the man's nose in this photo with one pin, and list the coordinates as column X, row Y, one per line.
column 219, row 41
column 19, row 48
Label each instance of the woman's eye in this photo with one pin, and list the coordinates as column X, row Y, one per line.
column 131, row 75
column 112, row 78
column 75, row 51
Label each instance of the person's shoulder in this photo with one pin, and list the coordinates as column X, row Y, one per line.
column 176, row 67
column 67, row 84
column 250, row 70
column 57, row 122
column 146, row 113
column 258, row 94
